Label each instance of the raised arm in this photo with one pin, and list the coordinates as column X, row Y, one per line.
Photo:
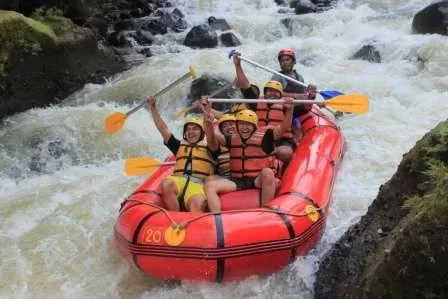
column 158, row 120
column 214, row 139
column 287, row 120
column 241, row 79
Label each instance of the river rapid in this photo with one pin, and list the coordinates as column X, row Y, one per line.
column 62, row 178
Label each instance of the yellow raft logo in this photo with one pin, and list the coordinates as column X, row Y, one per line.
column 311, row 211
column 174, row 236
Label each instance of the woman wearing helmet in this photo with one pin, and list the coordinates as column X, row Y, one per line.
column 252, row 161
column 194, row 162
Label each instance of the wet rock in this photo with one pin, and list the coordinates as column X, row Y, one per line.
column 206, row 84
column 143, row 37
column 137, row 12
column 120, row 39
column 9, row 4
column 218, row 24
column 399, row 249
column 432, row 19
column 229, row 39
column 155, row 26
column 172, row 18
column 27, row 80
column 305, row 7
column 125, row 25
column 280, row 2
column 145, row 52
column 369, row 53
column 201, row 36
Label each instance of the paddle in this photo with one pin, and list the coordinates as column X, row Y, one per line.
column 143, row 165
column 326, row 94
column 353, row 103
column 115, row 121
column 184, row 111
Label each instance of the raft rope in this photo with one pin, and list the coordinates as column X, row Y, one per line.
column 185, row 223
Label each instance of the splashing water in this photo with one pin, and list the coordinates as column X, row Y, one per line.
column 62, row 179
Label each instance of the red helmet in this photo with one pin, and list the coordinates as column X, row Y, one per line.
column 287, row 52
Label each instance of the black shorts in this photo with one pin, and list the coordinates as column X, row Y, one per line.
column 288, row 142
column 243, row 183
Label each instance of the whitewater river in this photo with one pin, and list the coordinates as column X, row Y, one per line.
column 62, row 179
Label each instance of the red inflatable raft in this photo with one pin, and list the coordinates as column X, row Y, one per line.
column 244, row 239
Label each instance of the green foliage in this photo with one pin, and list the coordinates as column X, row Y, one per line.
column 54, row 18
column 437, row 173
column 442, row 135
column 19, row 34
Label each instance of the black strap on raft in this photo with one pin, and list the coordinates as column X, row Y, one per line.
column 181, row 198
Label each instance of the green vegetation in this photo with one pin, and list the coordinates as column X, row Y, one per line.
column 20, row 34
column 54, row 18
column 415, row 253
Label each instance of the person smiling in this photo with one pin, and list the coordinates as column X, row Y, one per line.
column 194, row 162
column 252, row 160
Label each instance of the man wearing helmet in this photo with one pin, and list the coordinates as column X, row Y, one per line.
column 194, row 162
column 287, row 60
column 268, row 114
column 252, row 160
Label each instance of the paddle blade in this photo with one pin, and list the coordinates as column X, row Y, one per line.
column 114, row 122
column 181, row 113
column 141, row 165
column 328, row 94
column 353, row 103
column 192, row 72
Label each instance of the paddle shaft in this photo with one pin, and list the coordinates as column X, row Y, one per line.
column 161, row 92
column 272, row 71
column 267, row 101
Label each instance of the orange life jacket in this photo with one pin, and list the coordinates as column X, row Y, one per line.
column 272, row 115
column 247, row 159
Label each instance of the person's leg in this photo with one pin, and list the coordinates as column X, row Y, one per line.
column 194, row 197
column 214, row 188
column 196, row 203
column 266, row 182
column 170, row 188
column 211, row 178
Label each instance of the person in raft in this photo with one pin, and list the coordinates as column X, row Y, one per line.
column 183, row 191
column 268, row 114
column 227, row 127
column 252, row 160
column 287, row 60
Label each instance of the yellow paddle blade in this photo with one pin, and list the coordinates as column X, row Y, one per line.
column 353, row 103
column 141, row 165
column 181, row 113
column 114, row 122
column 192, row 72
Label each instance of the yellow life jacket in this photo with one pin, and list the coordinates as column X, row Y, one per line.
column 224, row 161
column 194, row 160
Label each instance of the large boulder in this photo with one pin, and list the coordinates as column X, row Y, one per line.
column 43, row 61
column 399, row 249
column 432, row 19
column 206, row 85
column 229, row 39
column 201, row 36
